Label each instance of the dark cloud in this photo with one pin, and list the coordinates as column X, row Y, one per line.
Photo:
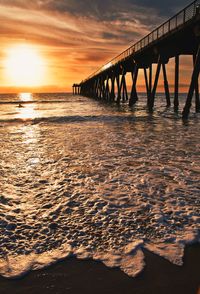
column 102, row 9
column 165, row 7
column 110, row 8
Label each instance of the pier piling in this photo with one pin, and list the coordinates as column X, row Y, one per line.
column 176, row 84
column 134, row 97
column 193, row 83
column 166, row 86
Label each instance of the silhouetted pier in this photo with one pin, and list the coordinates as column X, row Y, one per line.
column 180, row 35
column 76, row 89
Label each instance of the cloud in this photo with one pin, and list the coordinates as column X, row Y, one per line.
column 167, row 8
column 94, row 21
column 65, row 29
column 102, row 9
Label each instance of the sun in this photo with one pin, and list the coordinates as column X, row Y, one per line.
column 24, row 66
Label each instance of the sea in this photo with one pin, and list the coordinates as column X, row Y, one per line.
column 84, row 178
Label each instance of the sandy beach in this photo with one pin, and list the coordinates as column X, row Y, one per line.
column 73, row 276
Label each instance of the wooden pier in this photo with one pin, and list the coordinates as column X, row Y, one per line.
column 180, row 35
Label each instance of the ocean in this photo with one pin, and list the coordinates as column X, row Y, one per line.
column 83, row 178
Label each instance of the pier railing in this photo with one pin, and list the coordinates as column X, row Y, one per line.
column 167, row 27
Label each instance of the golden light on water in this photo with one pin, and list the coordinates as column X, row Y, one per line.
column 26, row 110
column 24, row 66
column 25, row 96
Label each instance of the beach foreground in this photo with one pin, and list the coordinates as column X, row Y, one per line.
column 74, row 276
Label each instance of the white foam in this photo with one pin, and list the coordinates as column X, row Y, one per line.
column 172, row 252
column 16, row 266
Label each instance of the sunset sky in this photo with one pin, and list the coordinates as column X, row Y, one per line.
column 73, row 38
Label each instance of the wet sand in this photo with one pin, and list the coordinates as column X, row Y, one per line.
column 74, row 276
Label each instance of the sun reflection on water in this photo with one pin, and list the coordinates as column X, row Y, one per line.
column 26, row 110
column 25, row 96
column 30, row 133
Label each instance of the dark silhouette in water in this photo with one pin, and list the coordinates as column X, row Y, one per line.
column 20, row 105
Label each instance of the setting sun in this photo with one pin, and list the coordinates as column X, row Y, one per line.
column 24, row 66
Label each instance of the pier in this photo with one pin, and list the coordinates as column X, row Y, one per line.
column 76, row 89
column 180, row 35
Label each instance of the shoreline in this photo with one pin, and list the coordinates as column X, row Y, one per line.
column 73, row 276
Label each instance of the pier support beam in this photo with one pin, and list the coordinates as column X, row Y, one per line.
column 112, row 94
column 147, row 83
column 153, row 93
column 107, row 90
column 166, row 86
column 150, row 78
column 119, row 84
column 194, row 81
column 134, row 96
column 97, row 89
column 197, row 101
column 124, row 88
column 176, row 85
column 103, row 89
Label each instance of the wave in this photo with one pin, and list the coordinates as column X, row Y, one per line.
column 77, row 119
column 33, row 102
